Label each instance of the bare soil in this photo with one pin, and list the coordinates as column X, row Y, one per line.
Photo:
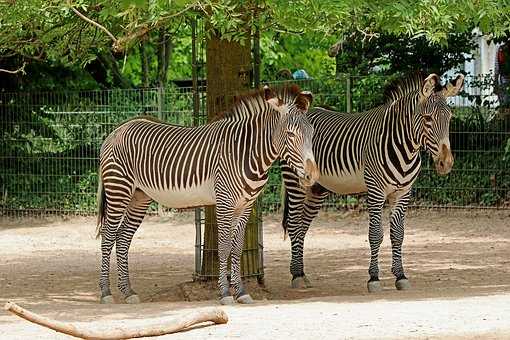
column 458, row 263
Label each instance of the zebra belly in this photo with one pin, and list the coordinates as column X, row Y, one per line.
column 349, row 183
column 194, row 196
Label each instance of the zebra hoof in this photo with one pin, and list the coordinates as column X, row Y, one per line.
column 374, row 286
column 301, row 282
column 403, row 284
column 245, row 299
column 132, row 299
column 106, row 300
column 227, row 300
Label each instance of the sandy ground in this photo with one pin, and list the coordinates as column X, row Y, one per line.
column 457, row 261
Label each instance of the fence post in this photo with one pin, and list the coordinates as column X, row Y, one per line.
column 258, row 205
column 160, row 116
column 196, row 122
column 348, row 91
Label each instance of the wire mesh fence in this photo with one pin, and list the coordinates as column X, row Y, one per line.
column 51, row 141
column 479, row 137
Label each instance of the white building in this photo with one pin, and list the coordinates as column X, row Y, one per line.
column 479, row 68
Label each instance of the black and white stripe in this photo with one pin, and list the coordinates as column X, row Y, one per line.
column 377, row 151
column 225, row 163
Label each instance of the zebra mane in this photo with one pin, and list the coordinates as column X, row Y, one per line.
column 403, row 86
column 238, row 108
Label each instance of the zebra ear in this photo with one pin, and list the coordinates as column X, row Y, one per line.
column 429, row 85
column 303, row 100
column 454, row 87
column 273, row 100
column 268, row 93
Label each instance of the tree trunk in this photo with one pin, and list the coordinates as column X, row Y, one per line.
column 144, row 62
column 165, row 48
column 109, row 62
column 228, row 74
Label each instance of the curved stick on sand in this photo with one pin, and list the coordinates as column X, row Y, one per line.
column 215, row 315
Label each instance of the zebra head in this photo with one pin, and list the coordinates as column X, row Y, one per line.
column 293, row 137
column 436, row 115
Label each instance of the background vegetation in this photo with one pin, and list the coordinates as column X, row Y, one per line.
column 80, row 67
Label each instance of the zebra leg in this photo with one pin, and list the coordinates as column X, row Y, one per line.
column 224, row 220
column 115, row 208
column 292, row 221
column 237, row 251
column 315, row 196
column 132, row 219
column 375, row 237
column 397, row 225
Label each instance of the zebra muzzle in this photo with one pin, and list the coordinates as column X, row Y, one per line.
column 444, row 163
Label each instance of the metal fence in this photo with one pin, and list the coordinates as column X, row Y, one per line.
column 479, row 137
column 51, row 141
column 50, row 145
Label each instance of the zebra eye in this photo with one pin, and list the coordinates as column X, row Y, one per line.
column 291, row 134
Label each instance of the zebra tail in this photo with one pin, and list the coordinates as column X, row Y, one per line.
column 285, row 220
column 101, row 207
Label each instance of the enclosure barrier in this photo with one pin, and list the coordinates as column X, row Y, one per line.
column 51, row 140
column 50, row 146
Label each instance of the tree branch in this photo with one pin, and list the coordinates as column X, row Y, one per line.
column 92, row 22
column 184, row 10
column 367, row 35
column 19, row 70
column 120, row 44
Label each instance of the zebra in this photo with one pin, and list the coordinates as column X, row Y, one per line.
column 376, row 151
column 224, row 163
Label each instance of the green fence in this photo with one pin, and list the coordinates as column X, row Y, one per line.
column 51, row 141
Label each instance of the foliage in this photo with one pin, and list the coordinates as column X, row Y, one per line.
column 64, row 52
column 506, row 157
column 57, row 32
column 286, row 52
column 391, row 54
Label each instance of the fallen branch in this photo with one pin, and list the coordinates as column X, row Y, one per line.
column 183, row 322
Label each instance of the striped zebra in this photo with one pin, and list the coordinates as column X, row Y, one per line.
column 224, row 163
column 377, row 151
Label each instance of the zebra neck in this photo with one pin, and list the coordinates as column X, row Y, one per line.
column 269, row 150
column 405, row 127
column 260, row 149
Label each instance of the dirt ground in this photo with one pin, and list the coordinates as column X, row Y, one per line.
column 458, row 263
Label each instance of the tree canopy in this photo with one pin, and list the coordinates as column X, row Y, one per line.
column 97, row 33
